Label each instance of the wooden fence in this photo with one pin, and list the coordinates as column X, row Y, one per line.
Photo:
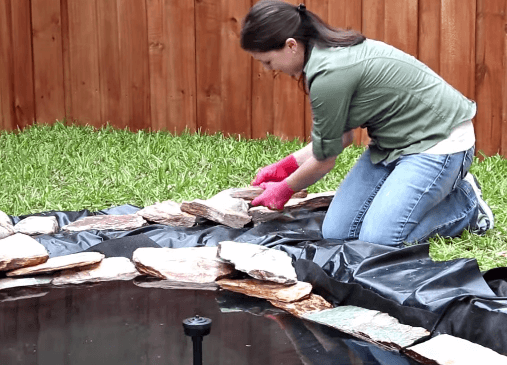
column 173, row 64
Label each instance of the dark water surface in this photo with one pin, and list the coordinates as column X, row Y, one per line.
column 121, row 323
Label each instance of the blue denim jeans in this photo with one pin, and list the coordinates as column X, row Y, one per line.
column 408, row 200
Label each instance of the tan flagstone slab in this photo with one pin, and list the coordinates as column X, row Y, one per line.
column 20, row 250
column 9, row 283
column 169, row 213
column 123, row 222
column 61, row 263
column 109, row 269
column 369, row 325
column 221, row 208
column 268, row 290
column 35, row 225
column 449, row 350
column 187, row 264
column 6, row 226
column 311, row 202
column 314, row 303
column 259, row 262
column 252, row 192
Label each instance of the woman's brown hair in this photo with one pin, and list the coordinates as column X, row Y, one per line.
column 269, row 23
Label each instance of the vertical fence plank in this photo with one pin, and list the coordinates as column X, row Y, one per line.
column 262, row 101
column 489, row 65
column 24, row 107
column 84, row 62
column 48, row 63
column 109, row 61
column 223, row 69
column 504, row 88
column 180, row 61
column 134, row 66
column 158, row 50
column 235, row 81
column 64, row 14
column 429, row 33
column 457, row 51
column 263, row 122
column 182, row 65
column 7, row 116
column 401, row 25
column 373, row 19
column 209, row 104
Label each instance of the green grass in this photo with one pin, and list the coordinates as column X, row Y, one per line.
column 70, row 167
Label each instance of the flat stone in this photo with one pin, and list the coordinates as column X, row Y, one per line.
column 221, row 208
column 187, row 264
column 368, row 325
column 124, row 222
column 252, row 192
column 61, row 263
column 20, row 250
column 150, row 282
column 311, row 202
column 259, row 262
column 9, row 283
column 6, row 227
column 169, row 213
column 314, row 303
column 268, row 290
column 35, row 225
column 109, row 269
column 448, row 350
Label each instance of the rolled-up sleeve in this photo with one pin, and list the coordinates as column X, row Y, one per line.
column 330, row 94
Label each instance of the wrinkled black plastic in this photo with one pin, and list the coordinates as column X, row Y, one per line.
column 450, row 297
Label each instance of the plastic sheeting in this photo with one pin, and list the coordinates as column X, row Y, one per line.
column 451, row 297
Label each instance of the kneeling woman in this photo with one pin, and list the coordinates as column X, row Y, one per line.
column 412, row 182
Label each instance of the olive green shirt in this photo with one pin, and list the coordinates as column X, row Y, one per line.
column 405, row 106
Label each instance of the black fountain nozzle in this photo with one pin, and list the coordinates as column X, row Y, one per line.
column 197, row 327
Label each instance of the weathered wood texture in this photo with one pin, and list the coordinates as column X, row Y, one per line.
column 172, row 65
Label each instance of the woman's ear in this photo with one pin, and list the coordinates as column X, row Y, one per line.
column 291, row 44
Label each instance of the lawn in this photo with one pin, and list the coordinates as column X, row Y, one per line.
column 69, row 167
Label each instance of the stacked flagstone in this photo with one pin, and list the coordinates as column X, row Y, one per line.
column 6, row 227
column 36, row 225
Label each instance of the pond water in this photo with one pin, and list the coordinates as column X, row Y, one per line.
column 123, row 323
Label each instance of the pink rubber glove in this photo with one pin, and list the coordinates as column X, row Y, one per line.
column 276, row 172
column 275, row 195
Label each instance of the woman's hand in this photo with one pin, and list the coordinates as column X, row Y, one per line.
column 277, row 171
column 275, row 195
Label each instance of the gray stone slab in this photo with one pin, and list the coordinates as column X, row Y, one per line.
column 371, row 326
column 268, row 290
column 61, row 263
column 259, row 262
column 187, row 264
column 169, row 213
column 6, row 227
column 221, row 208
column 35, row 225
column 109, row 269
column 449, row 350
column 20, row 250
column 124, row 222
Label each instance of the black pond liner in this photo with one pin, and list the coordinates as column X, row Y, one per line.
column 451, row 297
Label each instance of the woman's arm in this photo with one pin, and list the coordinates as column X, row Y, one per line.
column 306, row 152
